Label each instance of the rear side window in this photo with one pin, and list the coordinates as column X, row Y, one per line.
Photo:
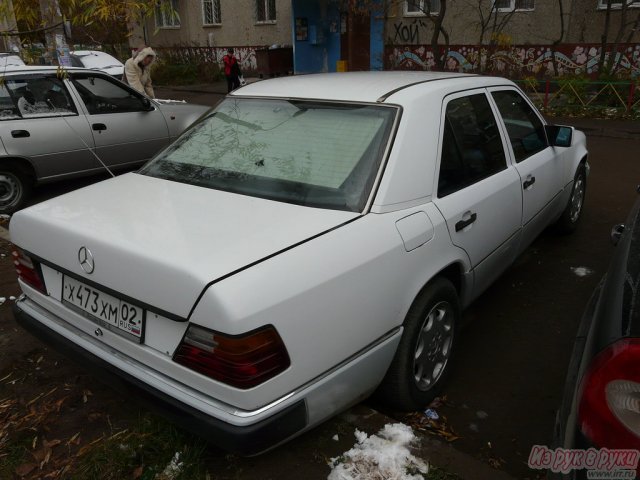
column 34, row 96
column 471, row 147
column 525, row 129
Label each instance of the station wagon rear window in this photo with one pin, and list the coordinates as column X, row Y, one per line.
column 309, row 153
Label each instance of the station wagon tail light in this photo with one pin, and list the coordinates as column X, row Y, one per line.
column 242, row 361
column 609, row 409
column 27, row 270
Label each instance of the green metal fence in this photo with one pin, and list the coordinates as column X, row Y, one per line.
column 585, row 98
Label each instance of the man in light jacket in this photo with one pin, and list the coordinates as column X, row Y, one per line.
column 137, row 70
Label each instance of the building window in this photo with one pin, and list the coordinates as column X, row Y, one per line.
column 211, row 12
column 421, row 7
column 514, row 5
column 602, row 4
column 167, row 14
column 266, row 11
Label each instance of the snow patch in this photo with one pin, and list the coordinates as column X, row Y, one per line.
column 2, row 300
column 384, row 456
column 172, row 470
column 581, row 271
column 335, row 438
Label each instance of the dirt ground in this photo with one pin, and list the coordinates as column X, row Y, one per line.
column 501, row 398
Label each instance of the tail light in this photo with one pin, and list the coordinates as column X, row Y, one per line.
column 609, row 410
column 240, row 361
column 27, row 270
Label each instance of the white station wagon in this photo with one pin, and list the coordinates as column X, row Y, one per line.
column 310, row 241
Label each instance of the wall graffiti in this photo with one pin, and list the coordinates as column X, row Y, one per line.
column 407, row 32
column 183, row 55
column 516, row 61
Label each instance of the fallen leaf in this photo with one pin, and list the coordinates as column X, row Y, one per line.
column 74, row 439
column 137, row 473
column 25, row 469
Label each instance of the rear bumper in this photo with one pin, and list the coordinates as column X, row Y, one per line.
column 246, row 439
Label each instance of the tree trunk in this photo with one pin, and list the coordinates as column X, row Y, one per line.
column 50, row 12
column 437, row 30
column 613, row 56
column 558, row 41
column 604, row 38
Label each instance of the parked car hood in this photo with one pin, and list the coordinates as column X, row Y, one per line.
column 159, row 241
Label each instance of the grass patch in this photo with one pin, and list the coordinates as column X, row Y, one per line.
column 13, row 454
column 436, row 473
column 143, row 452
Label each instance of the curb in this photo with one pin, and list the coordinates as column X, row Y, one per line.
column 431, row 449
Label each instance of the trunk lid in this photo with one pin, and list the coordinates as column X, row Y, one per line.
column 161, row 242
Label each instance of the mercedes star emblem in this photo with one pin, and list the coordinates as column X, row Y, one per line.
column 86, row 259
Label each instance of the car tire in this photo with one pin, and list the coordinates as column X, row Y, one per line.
column 423, row 359
column 568, row 221
column 15, row 188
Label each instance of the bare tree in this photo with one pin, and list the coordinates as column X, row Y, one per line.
column 493, row 22
column 558, row 40
column 614, row 58
column 604, row 37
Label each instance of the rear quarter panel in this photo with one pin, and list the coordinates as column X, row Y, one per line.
column 329, row 298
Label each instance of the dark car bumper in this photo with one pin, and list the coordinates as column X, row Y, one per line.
column 245, row 440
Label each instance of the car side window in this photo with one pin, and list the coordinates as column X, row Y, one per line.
column 525, row 129
column 102, row 95
column 471, row 147
column 34, row 97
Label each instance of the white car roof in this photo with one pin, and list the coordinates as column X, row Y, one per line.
column 357, row 86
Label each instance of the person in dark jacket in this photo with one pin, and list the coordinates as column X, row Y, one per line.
column 231, row 70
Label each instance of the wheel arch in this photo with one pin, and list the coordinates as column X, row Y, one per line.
column 453, row 272
column 24, row 165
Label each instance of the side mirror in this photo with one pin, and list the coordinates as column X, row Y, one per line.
column 146, row 104
column 559, row 136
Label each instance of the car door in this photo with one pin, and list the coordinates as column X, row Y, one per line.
column 40, row 121
column 125, row 131
column 478, row 192
column 539, row 166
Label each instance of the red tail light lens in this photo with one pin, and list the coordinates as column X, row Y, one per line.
column 27, row 270
column 609, row 410
column 241, row 361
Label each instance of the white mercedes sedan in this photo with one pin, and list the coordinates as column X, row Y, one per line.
column 310, row 241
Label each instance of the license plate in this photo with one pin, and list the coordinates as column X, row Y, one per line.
column 108, row 311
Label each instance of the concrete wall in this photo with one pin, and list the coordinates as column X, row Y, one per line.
column 238, row 28
column 463, row 22
column 588, row 23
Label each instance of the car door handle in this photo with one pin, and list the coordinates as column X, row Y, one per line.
column 98, row 127
column 20, row 133
column 527, row 183
column 465, row 223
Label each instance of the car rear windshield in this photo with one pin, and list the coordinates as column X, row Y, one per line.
column 309, row 153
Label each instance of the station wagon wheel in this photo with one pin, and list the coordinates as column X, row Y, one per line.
column 573, row 211
column 422, row 361
column 15, row 187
